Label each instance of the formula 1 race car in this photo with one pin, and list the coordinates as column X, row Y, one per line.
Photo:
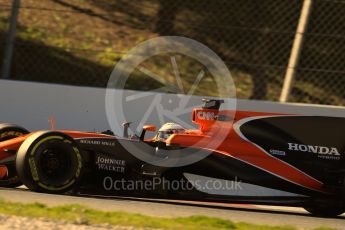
column 252, row 157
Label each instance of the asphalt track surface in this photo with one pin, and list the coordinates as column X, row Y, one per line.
column 266, row 215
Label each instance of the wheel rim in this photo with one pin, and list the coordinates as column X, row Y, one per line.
column 55, row 163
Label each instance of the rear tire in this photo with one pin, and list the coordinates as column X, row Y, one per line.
column 7, row 132
column 323, row 210
column 49, row 162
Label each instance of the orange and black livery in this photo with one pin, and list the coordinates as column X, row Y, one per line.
column 279, row 159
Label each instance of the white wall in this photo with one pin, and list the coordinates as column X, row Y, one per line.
column 83, row 108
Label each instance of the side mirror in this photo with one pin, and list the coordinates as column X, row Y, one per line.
column 125, row 128
column 150, row 128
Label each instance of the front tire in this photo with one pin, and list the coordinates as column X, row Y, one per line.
column 10, row 131
column 9, row 178
column 49, row 162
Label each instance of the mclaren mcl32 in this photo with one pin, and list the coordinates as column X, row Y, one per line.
column 249, row 157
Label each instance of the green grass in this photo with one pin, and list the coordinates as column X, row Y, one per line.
column 83, row 215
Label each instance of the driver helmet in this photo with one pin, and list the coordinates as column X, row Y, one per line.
column 169, row 129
